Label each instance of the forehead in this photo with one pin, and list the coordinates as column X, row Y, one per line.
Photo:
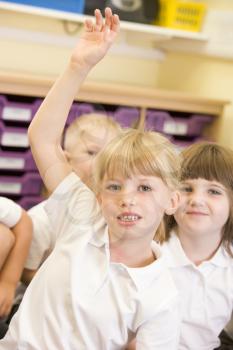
column 97, row 133
column 137, row 178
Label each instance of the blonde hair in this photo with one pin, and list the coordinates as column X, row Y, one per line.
column 87, row 122
column 211, row 162
column 139, row 152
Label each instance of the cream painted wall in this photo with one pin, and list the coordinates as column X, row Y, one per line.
column 203, row 77
column 223, row 4
column 26, row 53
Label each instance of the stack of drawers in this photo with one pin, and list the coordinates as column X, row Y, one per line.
column 182, row 129
column 19, row 178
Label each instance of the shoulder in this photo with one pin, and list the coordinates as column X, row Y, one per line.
column 72, row 196
column 10, row 212
column 72, row 204
column 7, row 204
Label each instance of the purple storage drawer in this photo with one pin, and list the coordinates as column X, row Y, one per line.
column 126, row 116
column 16, row 161
column 155, row 120
column 13, row 137
column 197, row 122
column 17, row 111
column 28, row 202
column 171, row 125
column 30, row 183
column 79, row 109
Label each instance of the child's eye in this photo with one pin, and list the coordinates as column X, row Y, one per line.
column 91, row 153
column 114, row 187
column 144, row 188
column 214, row 192
column 186, row 189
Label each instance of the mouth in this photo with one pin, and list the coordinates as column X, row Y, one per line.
column 196, row 213
column 128, row 218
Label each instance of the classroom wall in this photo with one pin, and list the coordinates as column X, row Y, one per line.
column 40, row 45
column 205, row 77
column 47, row 49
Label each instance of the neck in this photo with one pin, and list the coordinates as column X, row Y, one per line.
column 199, row 248
column 132, row 253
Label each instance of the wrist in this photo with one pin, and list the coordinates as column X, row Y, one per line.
column 79, row 68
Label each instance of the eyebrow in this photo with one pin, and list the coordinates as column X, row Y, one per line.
column 211, row 183
column 214, row 184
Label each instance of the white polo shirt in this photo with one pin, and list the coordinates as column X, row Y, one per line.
column 43, row 238
column 10, row 212
column 79, row 299
column 206, row 295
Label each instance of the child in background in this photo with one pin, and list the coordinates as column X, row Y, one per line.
column 199, row 246
column 15, row 233
column 101, row 285
column 84, row 139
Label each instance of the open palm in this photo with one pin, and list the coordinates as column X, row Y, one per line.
column 96, row 39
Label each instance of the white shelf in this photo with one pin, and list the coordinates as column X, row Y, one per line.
column 145, row 29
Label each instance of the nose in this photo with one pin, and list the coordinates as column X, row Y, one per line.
column 196, row 198
column 127, row 199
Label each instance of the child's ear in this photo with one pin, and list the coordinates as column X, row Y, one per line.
column 174, row 203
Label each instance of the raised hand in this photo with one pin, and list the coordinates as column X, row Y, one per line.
column 96, row 39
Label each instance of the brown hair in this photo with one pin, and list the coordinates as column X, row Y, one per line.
column 212, row 162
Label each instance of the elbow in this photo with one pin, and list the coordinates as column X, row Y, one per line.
column 30, row 134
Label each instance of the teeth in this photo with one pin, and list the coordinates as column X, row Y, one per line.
column 129, row 217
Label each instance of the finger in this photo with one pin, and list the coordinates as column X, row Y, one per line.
column 108, row 17
column 88, row 25
column 98, row 20
column 115, row 23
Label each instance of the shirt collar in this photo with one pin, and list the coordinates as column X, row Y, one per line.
column 176, row 257
column 142, row 277
column 221, row 258
column 100, row 234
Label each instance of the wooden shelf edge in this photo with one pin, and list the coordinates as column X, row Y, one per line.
column 110, row 93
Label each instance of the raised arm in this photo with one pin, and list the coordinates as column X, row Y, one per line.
column 47, row 126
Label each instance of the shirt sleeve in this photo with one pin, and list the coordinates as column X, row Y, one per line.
column 10, row 212
column 43, row 238
column 73, row 208
column 161, row 332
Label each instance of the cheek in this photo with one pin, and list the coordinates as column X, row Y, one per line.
column 178, row 215
column 162, row 201
column 224, row 214
column 108, row 209
column 106, row 204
